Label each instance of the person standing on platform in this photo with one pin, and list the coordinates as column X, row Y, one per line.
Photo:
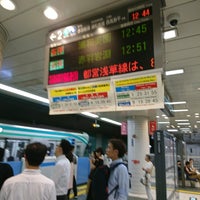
column 147, row 176
column 30, row 184
column 74, row 172
column 118, row 183
column 6, row 170
column 61, row 176
column 6, row 154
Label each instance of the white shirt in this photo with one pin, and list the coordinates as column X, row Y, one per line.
column 29, row 185
column 148, row 166
column 61, row 175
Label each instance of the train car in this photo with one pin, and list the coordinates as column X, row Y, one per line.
column 14, row 139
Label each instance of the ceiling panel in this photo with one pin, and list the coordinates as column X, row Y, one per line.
column 23, row 64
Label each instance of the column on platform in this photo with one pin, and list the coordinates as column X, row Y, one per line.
column 138, row 147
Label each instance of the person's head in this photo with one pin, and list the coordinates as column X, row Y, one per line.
column 178, row 162
column 63, row 148
column 147, row 157
column 116, row 149
column 1, row 154
column 35, row 153
column 191, row 160
column 187, row 163
column 99, row 152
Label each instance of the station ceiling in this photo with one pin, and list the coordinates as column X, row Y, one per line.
column 24, row 57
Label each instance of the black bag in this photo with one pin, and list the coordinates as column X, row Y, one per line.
column 99, row 183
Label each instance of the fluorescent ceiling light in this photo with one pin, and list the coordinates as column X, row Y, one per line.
column 182, row 120
column 51, row 13
column 172, row 130
column 183, row 123
column 196, row 113
column 174, row 72
column 111, row 121
column 180, row 110
column 175, row 103
column 7, row 4
column 198, row 122
column 169, row 34
column 185, row 129
column 90, row 114
column 23, row 93
column 163, row 122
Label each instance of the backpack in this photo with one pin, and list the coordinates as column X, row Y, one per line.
column 100, row 182
column 117, row 186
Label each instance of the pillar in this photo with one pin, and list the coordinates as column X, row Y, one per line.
column 138, row 147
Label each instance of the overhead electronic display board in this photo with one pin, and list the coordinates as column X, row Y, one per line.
column 116, row 43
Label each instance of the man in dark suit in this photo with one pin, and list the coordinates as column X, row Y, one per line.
column 6, row 170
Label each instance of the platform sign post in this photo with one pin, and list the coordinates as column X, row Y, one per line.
column 165, row 165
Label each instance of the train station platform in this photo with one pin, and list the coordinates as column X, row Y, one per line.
column 186, row 193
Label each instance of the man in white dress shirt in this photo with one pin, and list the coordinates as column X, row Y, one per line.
column 148, row 170
column 62, row 170
column 30, row 184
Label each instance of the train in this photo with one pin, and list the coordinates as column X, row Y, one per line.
column 14, row 139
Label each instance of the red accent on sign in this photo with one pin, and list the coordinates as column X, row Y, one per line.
column 93, row 96
column 146, row 86
column 63, row 77
column 136, row 162
column 120, row 68
column 124, row 128
column 152, row 127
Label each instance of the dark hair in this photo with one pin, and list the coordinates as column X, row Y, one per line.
column 148, row 156
column 35, row 153
column 66, row 147
column 1, row 153
column 99, row 150
column 119, row 145
column 70, row 156
column 191, row 159
column 187, row 163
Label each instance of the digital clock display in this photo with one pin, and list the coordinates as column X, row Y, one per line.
column 124, row 50
column 139, row 14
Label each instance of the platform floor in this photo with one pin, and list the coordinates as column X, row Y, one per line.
column 182, row 194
